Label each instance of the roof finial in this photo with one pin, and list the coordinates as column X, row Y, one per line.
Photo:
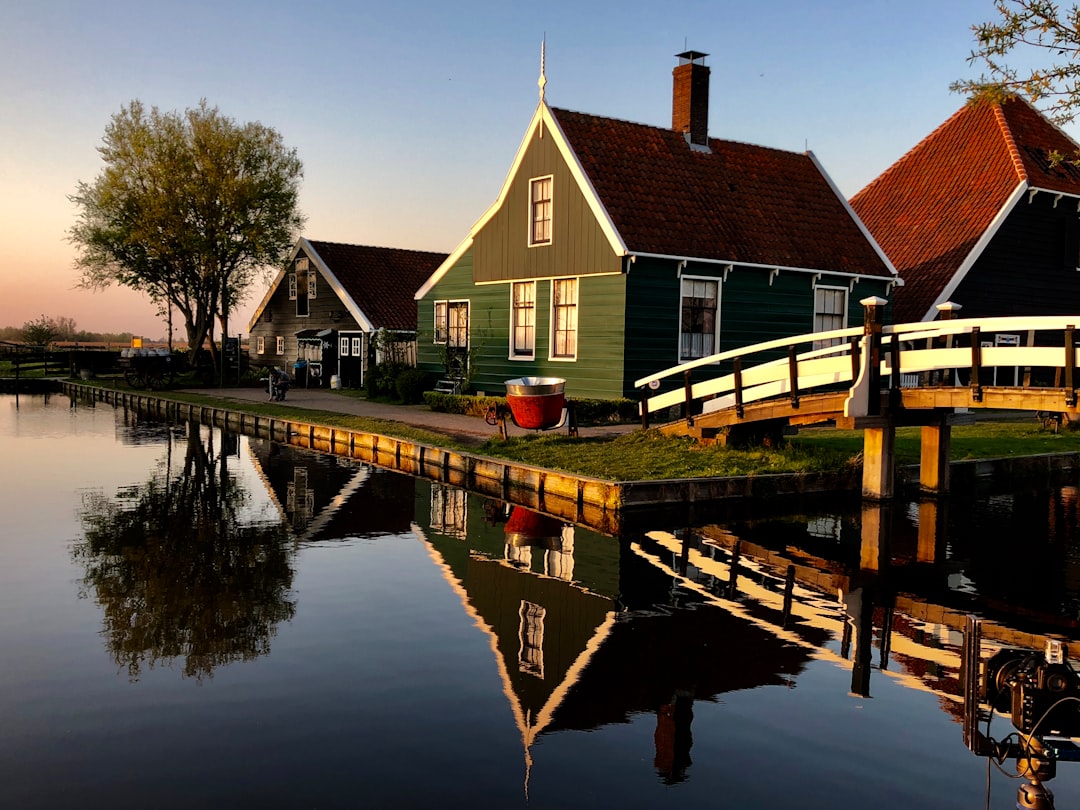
column 543, row 78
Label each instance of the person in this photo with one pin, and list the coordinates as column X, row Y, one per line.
column 279, row 384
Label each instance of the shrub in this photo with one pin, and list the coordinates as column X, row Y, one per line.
column 382, row 380
column 411, row 384
column 589, row 411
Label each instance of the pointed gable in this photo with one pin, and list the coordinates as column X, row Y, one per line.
column 732, row 202
column 380, row 281
column 931, row 209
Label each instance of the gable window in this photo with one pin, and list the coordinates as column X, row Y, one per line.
column 302, row 284
column 564, row 318
column 292, row 286
column 312, row 287
column 260, row 345
column 540, row 211
column 523, row 319
column 830, row 312
column 700, row 306
column 280, row 345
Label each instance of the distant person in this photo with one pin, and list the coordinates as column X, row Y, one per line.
column 279, row 384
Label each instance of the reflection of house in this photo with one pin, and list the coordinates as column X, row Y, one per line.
column 617, row 249
column 329, row 301
column 598, row 648
column 326, row 497
column 978, row 214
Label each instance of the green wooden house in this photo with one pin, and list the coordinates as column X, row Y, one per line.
column 616, row 250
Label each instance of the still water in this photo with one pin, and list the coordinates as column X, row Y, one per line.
column 191, row 619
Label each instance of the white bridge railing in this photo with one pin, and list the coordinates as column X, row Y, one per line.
column 915, row 350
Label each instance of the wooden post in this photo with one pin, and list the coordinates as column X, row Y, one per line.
column 793, row 376
column 878, row 461
column 644, row 407
column 737, row 372
column 873, row 313
column 689, row 392
column 931, row 529
column 934, row 457
column 976, row 364
column 1070, row 366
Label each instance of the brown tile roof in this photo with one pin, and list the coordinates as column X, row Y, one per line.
column 739, row 203
column 381, row 281
column 929, row 209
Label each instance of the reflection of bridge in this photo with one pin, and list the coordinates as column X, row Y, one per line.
column 877, row 378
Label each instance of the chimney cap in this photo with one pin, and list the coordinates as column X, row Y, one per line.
column 691, row 56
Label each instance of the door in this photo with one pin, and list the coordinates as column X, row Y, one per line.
column 457, row 339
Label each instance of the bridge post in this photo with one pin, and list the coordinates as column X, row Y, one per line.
column 878, row 461
column 934, row 457
column 873, row 316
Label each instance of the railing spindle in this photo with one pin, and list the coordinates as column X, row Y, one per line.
column 737, row 373
column 793, row 374
column 1070, row 366
column 976, row 364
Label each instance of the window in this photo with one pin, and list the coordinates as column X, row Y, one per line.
column 698, row 334
column 440, row 322
column 357, row 344
column 312, row 278
column 281, row 345
column 343, row 347
column 523, row 319
column 457, row 326
column 300, row 287
column 260, row 345
column 830, row 312
column 564, row 318
column 292, row 286
column 540, row 211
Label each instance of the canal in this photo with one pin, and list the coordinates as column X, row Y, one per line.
column 195, row 619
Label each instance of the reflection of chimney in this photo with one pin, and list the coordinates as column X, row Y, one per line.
column 690, row 97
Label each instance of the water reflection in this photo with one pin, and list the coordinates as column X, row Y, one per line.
column 177, row 572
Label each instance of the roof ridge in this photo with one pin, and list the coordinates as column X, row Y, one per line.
column 375, row 247
column 670, row 130
column 1010, row 142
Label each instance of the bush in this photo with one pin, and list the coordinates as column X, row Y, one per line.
column 382, row 380
column 589, row 411
column 411, row 384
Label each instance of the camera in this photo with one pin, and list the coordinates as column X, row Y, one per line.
column 1041, row 693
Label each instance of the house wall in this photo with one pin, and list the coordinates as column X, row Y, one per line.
column 596, row 373
column 578, row 244
column 279, row 318
column 752, row 310
column 1030, row 266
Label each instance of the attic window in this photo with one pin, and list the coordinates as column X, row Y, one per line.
column 540, row 211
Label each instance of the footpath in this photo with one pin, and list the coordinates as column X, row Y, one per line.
column 466, row 429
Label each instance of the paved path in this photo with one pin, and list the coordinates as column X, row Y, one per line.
column 467, row 429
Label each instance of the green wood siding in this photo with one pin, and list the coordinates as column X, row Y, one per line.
column 578, row 245
column 595, row 374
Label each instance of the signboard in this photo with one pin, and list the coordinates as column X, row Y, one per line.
column 1006, row 340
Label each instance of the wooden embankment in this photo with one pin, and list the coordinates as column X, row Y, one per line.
column 607, row 506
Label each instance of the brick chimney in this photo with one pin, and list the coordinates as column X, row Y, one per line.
column 690, row 97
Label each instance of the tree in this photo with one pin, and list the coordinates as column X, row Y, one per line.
column 188, row 209
column 40, row 332
column 1026, row 30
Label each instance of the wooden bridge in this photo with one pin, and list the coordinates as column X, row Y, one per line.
column 877, row 378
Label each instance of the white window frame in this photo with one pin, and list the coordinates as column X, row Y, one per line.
column 553, row 330
column 343, row 346
column 527, row 352
column 260, row 345
column 357, row 347
column 441, row 322
column 292, row 286
column 280, row 344
column 312, row 284
column 534, row 208
column 843, row 316
column 716, row 318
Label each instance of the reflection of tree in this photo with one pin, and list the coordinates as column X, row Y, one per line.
column 176, row 574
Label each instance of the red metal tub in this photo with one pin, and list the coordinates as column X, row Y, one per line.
column 536, row 402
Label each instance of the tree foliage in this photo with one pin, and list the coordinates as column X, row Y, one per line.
column 1029, row 32
column 188, row 209
column 40, row 331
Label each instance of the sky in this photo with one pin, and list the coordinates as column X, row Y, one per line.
column 407, row 115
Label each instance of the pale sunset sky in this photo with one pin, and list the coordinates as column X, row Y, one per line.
column 407, row 114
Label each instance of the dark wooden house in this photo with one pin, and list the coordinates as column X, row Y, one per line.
column 982, row 213
column 615, row 250
column 320, row 315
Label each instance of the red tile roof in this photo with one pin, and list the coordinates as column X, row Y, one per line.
column 381, row 281
column 930, row 208
column 738, row 203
